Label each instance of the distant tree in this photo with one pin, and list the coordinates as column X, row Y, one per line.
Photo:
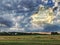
column 54, row 33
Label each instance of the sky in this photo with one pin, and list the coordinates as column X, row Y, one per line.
column 15, row 16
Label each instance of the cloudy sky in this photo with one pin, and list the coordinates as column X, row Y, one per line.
column 15, row 15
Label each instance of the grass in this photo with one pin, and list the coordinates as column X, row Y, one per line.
column 30, row 40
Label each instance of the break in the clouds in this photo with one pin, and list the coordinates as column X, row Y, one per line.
column 29, row 15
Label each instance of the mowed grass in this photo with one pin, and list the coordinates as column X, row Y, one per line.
column 30, row 40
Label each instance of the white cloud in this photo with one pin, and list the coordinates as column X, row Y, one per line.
column 45, row 1
column 25, row 9
column 19, row 6
column 9, row 5
column 14, row 29
column 34, row 27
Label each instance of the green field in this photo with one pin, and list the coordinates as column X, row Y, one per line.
column 30, row 40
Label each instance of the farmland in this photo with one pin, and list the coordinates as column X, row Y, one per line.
column 30, row 40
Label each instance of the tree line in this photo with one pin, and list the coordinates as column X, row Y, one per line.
column 21, row 33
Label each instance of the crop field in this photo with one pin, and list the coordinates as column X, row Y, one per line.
column 30, row 40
